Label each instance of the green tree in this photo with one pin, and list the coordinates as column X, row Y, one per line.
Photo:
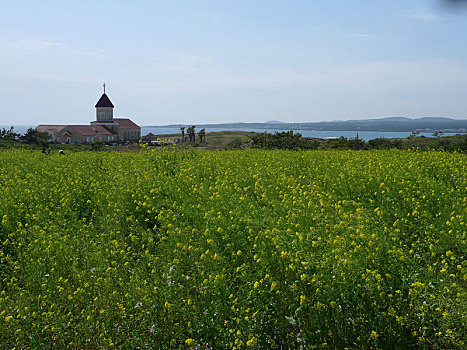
column 282, row 140
column 8, row 134
column 33, row 136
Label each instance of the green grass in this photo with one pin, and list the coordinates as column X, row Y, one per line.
column 233, row 249
column 214, row 140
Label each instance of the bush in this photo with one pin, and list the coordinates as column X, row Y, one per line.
column 282, row 140
column 383, row 143
column 236, row 143
column 97, row 145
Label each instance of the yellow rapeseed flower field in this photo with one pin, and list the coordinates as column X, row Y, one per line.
column 233, row 249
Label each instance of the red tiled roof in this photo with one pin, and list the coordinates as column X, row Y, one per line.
column 104, row 101
column 126, row 123
column 90, row 130
column 149, row 137
column 51, row 128
column 102, row 122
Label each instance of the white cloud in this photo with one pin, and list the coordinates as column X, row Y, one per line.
column 14, row 43
column 23, row 74
column 26, row 44
column 425, row 14
column 367, row 78
column 87, row 52
column 361, row 35
column 196, row 59
column 36, row 45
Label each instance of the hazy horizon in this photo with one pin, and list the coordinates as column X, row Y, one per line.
column 278, row 122
column 205, row 62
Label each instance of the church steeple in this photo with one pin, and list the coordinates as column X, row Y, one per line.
column 104, row 109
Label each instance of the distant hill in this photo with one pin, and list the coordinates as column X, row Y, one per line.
column 391, row 124
column 275, row 122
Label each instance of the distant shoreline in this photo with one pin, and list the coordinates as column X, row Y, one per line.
column 391, row 124
column 366, row 129
column 272, row 129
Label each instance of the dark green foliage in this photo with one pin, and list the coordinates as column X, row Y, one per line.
column 282, row 140
column 97, row 145
column 344, row 143
column 8, row 137
column 236, row 143
column 356, row 144
column 463, row 144
column 33, row 136
column 383, row 143
column 8, row 134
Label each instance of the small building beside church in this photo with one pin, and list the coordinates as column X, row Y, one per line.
column 105, row 128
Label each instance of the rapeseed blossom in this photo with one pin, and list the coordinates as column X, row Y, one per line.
column 233, row 249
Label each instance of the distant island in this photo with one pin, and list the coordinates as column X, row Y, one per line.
column 391, row 124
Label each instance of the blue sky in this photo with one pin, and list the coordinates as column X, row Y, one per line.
column 193, row 61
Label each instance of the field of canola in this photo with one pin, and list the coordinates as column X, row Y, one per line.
column 233, row 249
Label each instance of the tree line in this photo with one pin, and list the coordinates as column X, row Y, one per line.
column 31, row 136
column 294, row 141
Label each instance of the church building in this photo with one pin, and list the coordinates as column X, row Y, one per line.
column 105, row 128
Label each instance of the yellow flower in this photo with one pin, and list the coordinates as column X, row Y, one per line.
column 189, row 342
column 251, row 342
column 302, row 299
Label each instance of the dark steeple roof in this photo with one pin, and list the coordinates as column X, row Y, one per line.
column 104, row 101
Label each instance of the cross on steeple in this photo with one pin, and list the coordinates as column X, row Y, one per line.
column 104, row 87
